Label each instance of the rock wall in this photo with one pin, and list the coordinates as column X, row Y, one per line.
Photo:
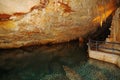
column 115, row 28
column 52, row 21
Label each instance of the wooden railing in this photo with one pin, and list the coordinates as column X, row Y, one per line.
column 104, row 46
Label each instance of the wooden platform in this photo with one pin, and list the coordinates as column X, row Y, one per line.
column 101, row 51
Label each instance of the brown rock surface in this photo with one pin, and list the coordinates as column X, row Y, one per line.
column 115, row 28
column 15, row 6
column 51, row 21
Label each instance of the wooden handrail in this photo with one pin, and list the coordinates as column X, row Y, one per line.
column 95, row 45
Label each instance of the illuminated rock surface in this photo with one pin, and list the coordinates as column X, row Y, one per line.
column 115, row 28
column 50, row 21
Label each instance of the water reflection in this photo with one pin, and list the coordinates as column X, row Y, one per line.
column 46, row 63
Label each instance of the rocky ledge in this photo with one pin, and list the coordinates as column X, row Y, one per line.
column 51, row 21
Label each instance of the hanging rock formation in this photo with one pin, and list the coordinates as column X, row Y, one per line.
column 35, row 22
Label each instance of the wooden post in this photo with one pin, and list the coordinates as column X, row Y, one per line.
column 112, row 47
column 96, row 46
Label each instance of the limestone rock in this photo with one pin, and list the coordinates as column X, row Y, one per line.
column 50, row 21
column 115, row 28
column 16, row 6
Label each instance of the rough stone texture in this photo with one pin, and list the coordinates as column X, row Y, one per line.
column 11, row 6
column 115, row 28
column 54, row 21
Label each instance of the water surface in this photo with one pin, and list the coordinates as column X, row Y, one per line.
column 46, row 63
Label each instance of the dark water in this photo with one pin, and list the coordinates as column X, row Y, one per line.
column 46, row 63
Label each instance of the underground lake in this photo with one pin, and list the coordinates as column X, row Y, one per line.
column 65, row 61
